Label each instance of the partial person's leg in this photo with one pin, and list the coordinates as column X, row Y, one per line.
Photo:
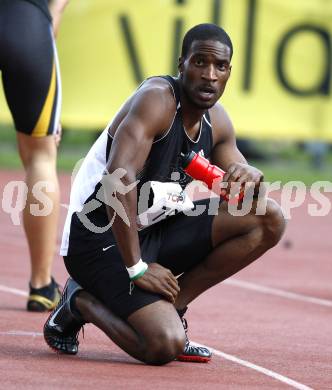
column 32, row 88
column 237, row 241
column 39, row 159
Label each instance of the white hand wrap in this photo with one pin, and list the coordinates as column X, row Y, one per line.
column 137, row 270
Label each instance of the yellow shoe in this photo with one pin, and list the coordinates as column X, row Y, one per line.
column 45, row 298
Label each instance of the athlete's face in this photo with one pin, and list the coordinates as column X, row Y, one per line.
column 204, row 72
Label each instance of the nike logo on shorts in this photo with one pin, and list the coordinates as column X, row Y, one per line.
column 108, row 247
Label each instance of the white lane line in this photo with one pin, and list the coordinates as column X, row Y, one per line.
column 277, row 292
column 265, row 371
column 232, row 282
column 14, row 291
column 20, row 333
column 238, row 283
column 232, row 358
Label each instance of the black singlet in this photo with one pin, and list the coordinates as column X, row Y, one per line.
column 163, row 163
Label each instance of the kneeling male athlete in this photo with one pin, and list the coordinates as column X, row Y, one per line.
column 135, row 284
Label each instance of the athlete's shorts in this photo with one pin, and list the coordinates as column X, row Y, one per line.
column 178, row 243
column 29, row 68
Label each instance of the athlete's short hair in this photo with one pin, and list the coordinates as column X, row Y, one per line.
column 205, row 32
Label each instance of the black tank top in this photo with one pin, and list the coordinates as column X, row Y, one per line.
column 164, row 163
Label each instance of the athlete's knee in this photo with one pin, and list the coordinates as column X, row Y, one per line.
column 37, row 151
column 164, row 348
column 273, row 223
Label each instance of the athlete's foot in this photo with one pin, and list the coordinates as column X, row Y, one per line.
column 192, row 353
column 62, row 328
column 45, row 298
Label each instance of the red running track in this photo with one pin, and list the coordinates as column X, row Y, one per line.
column 274, row 315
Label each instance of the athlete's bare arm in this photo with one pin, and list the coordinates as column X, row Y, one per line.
column 150, row 114
column 225, row 153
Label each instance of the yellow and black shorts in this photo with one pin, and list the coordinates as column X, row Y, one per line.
column 29, row 68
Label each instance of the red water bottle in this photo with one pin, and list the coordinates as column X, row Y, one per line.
column 199, row 168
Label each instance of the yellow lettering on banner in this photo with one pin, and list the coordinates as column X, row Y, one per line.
column 281, row 78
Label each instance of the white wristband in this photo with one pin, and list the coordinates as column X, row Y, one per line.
column 137, row 270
